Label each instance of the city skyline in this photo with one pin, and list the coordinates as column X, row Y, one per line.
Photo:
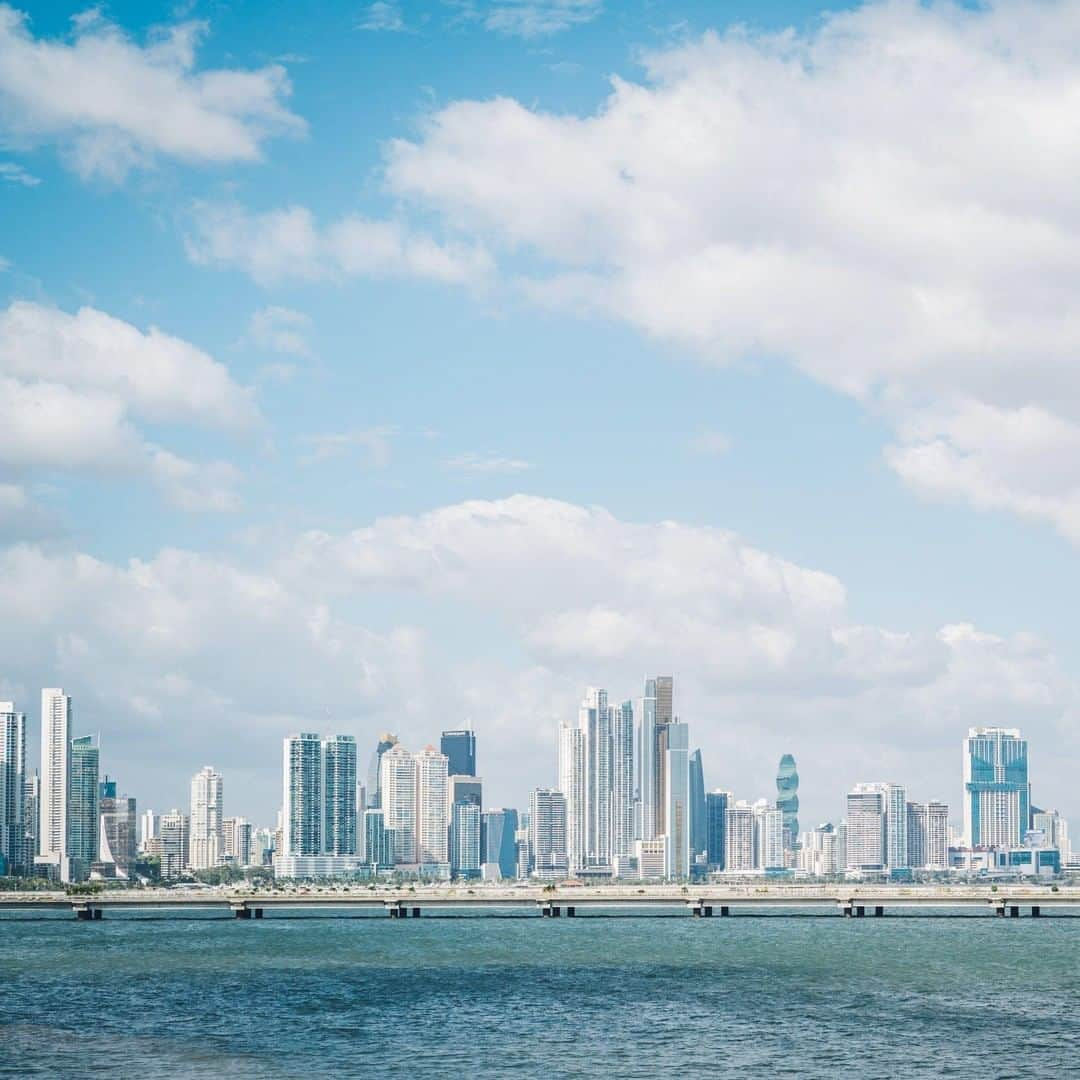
column 338, row 419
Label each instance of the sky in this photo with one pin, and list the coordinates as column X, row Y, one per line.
column 396, row 365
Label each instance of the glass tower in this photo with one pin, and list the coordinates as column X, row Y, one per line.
column 699, row 818
column 460, row 750
column 83, row 817
column 997, row 794
column 787, row 798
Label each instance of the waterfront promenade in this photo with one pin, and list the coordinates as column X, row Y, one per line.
column 703, row 901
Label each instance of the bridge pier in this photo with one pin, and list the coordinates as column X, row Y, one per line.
column 1035, row 911
column 702, row 911
column 241, row 911
column 879, row 911
column 860, row 911
column 725, row 911
column 1014, row 912
column 570, row 911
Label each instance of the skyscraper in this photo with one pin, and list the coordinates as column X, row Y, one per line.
column 997, row 793
column 699, row 818
column 174, row 838
column 739, row 838
column 339, row 795
column 397, row 784
column 378, row 848
column 14, row 852
column 459, row 746
column 206, row 844
column 645, row 774
column 572, row 785
column 768, row 837
column 239, row 841
column 84, row 822
column 432, row 804
column 55, row 782
column 465, row 854
column 386, row 742
column 622, row 781
column 865, row 835
column 896, row 822
column 547, row 833
column 500, row 842
column 716, row 804
column 787, row 798
column 677, row 794
column 302, row 809
column 119, row 838
column 927, row 836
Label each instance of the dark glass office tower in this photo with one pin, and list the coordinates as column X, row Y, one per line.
column 460, row 749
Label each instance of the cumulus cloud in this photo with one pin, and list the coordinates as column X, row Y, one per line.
column 112, row 104
column 290, row 244
column 281, row 330
column 77, row 391
column 886, row 200
column 314, row 635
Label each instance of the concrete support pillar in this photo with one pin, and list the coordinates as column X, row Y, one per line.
column 707, row 911
column 1014, row 912
column 725, row 912
column 879, row 911
column 570, row 911
column 258, row 913
column 416, row 913
column 1035, row 911
column 83, row 914
column 242, row 911
column 860, row 912
column 556, row 911
column 999, row 910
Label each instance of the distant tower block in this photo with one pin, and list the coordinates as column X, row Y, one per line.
column 787, row 798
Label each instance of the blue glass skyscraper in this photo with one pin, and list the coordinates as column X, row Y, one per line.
column 500, row 841
column 460, row 750
column 716, row 804
column 787, row 798
column 699, row 826
column 997, row 793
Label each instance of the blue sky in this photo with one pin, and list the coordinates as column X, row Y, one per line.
column 456, row 305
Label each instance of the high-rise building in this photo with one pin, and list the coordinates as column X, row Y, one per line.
column 206, row 844
column 896, row 823
column 677, row 794
column 14, row 853
column 460, row 749
column 817, row 852
column 646, row 780
column 302, row 809
column 32, row 816
column 768, row 837
column 500, row 843
column 665, row 699
column 386, row 742
column 238, row 837
column 716, row 804
column 378, row 846
column 55, row 782
column 699, row 816
column 573, row 785
column 339, row 795
column 927, row 836
column 173, row 839
column 997, row 793
column 465, row 858
column 547, row 833
column 84, row 821
column 119, row 828
column 465, row 828
column 739, row 838
column 787, row 798
column 865, row 836
column 397, row 784
column 622, row 781
column 432, row 805
column 1055, row 831
column 149, row 826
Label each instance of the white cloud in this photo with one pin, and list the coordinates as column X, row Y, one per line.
column 75, row 391
column 382, row 15
column 486, row 463
column 12, row 173
column 530, row 19
column 375, row 440
column 886, row 200
column 284, row 244
column 113, row 105
column 281, row 330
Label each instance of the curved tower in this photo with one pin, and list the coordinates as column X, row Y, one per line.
column 787, row 798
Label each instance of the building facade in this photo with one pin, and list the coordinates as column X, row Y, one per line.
column 997, row 792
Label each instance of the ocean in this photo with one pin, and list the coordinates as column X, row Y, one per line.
column 312, row 996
